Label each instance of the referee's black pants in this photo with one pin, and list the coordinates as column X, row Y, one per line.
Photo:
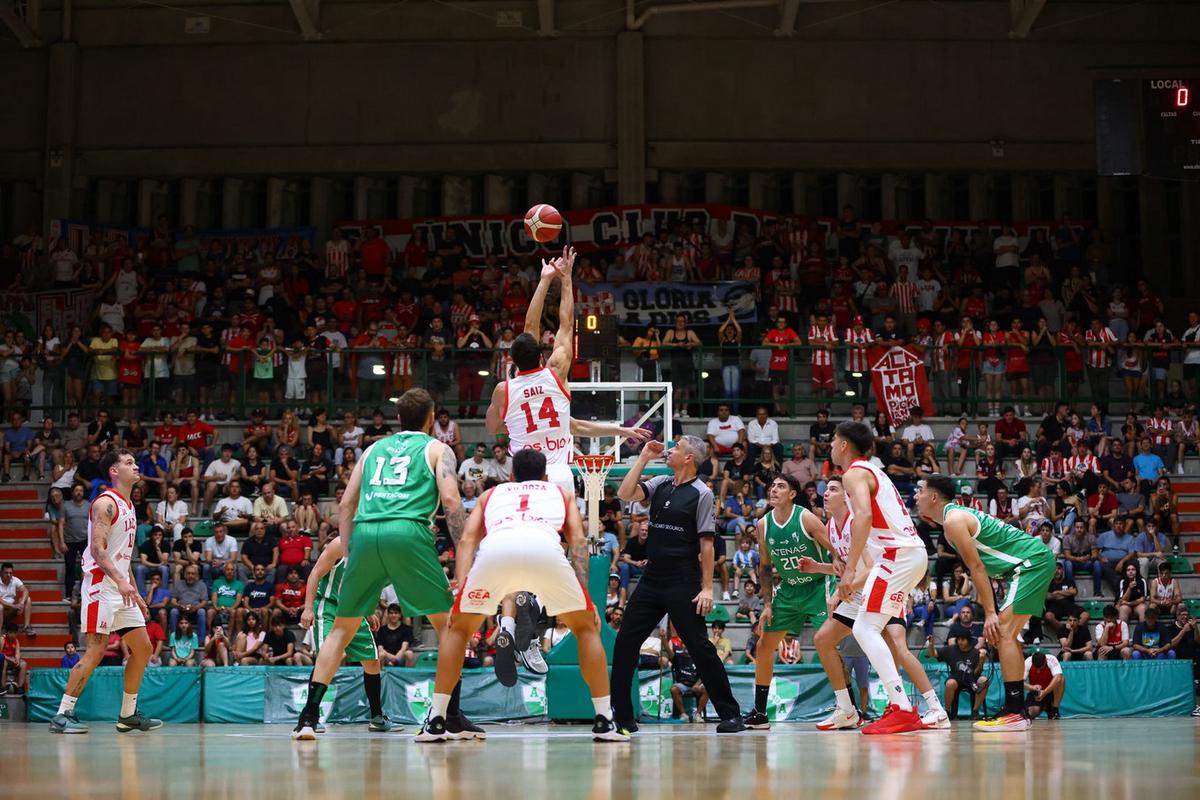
column 671, row 595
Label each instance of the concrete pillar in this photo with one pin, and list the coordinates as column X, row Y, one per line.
column 275, row 189
column 803, row 185
column 631, row 118
column 1022, row 188
column 937, row 196
column 1189, row 202
column 581, row 189
column 889, row 183
column 149, row 201
column 1155, row 251
column 760, row 190
column 189, row 192
column 231, row 203
column 496, row 194
column 319, row 191
column 456, row 196
column 406, row 192
column 848, row 192
column 536, row 184
column 25, row 206
column 979, row 197
column 60, row 131
column 670, row 187
column 1066, row 195
column 362, row 185
column 716, row 187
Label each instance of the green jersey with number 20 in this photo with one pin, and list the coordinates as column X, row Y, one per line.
column 397, row 482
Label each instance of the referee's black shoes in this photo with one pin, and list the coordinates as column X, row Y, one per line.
column 732, row 725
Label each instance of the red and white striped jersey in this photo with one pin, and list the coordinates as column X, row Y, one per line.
column 1053, row 466
column 537, row 414
column 530, row 509
column 121, row 535
column 940, row 345
column 641, row 256
column 1161, row 430
column 856, row 341
column 891, row 524
column 505, row 360
column 905, row 294
column 1101, row 359
column 750, row 274
column 459, row 314
column 818, row 335
column 784, row 294
column 975, row 503
column 1081, row 464
column 789, row 653
column 337, row 259
column 404, row 361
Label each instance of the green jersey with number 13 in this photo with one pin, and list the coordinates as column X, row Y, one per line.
column 397, row 482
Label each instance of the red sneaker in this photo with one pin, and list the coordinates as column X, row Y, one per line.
column 895, row 721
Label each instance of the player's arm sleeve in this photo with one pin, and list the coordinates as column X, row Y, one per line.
column 648, row 486
column 1052, row 663
column 705, row 521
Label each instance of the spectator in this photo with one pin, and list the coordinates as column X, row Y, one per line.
column 183, row 645
column 1081, row 553
column 270, row 509
column 1165, row 595
column 745, row 564
column 916, row 434
column 76, row 519
column 225, row 600
column 1102, row 508
column 1162, row 432
column 1151, row 548
column 257, row 594
column 989, row 472
column 820, row 435
column 394, row 640
column 1051, row 434
column 253, row 474
column 1010, row 434
column 958, row 594
column 501, row 466
column 15, row 600
column 1148, row 465
column 153, row 557
column 1149, row 640
column 189, row 600
column 1187, row 434
column 259, row 550
column 1045, row 682
column 171, row 512
column 185, row 475
column 725, row 431
column 18, row 442
column 1116, row 553
column 1117, row 467
column 1112, row 637
column 216, row 648
column 219, row 475
column 1164, row 509
column 313, row 476
column 288, row 603
column 800, row 466
column 234, row 512
column 284, row 473
column 70, row 656
column 154, row 470
column 74, row 436
column 965, row 623
column 965, row 665
column 1131, row 594
column 763, row 432
column 750, row 608
column 721, row 642
column 196, row 436
column 615, row 595
column 248, row 648
column 280, row 643
column 957, row 447
column 1075, row 641
column 220, row 550
column 477, row 469
column 1099, row 342
column 1004, row 508
column 295, row 549
column 158, row 599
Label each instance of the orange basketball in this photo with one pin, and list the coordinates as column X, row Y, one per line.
column 543, row 222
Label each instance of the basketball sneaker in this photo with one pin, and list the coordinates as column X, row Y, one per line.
column 305, row 731
column 506, row 659
column 627, row 727
column 138, row 722
column 841, row 720
column 1005, row 723
column 531, row 658
column 67, row 723
column 318, row 727
column 894, row 720
column 731, row 725
column 604, row 730
column 382, row 724
column 459, row 727
column 756, row 721
column 433, row 730
column 936, row 719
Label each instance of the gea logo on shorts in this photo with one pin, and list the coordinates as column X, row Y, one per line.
column 897, row 597
column 479, row 594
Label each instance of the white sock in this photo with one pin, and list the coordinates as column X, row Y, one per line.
column 603, row 706
column 128, row 704
column 441, row 702
column 843, row 699
column 868, row 632
column 67, row 703
column 931, row 700
column 508, row 625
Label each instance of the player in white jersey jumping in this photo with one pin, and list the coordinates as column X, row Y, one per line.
column 513, row 541
column 533, row 407
column 883, row 529
column 840, row 622
column 110, row 599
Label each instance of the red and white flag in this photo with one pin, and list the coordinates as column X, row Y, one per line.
column 900, row 383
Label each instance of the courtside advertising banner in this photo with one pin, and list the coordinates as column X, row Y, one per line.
column 900, row 383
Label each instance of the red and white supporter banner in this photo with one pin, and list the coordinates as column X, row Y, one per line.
column 900, row 383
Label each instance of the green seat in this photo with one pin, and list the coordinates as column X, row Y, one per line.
column 718, row 614
column 1193, row 605
column 1094, row 608
column 202, row 529
column 924, row 657
column 427, row 658
column 1179, row 565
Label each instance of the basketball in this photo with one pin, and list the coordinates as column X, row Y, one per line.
column 543, row 222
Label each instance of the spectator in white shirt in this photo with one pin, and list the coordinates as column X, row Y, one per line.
column 916, row 434
column 501, row 464
column 476, row 469
column 219, row 549
column 904, row 251
column 1044, row 694
column 724, row 431
column 219, row 474
column 1007, row 250
column 235, row 510
column 763, row 432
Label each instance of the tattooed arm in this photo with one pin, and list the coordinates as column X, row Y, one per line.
column 103, row 512
column 767, row 571
column 447, row 483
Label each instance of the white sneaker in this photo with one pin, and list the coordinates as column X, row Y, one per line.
column 531, row 658
column 936, row 719
column 1181, row 469
column 735, row 594
column 840, row 720
column 725, row 596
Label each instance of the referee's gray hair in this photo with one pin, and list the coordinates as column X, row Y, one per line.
column 696, row 446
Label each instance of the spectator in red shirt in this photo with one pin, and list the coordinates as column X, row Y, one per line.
column 1102, row 509
column 345, row 311
column 781, row 337
column 295, row 548
column 416, row 254
column 167, row 434
column 197, row 435
column 1011, row 436
column 289, row 597
column 374, row 254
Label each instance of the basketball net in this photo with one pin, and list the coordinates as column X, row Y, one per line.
column 594, row 469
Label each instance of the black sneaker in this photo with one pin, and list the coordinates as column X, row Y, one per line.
column 526, row 621
column 434, row 730
column 756, row 721
column 603, row 730
column 627, row 727
column 137, row 721
column 305, row 731
column 733, row 725
column 506, row 659
column 459, row 727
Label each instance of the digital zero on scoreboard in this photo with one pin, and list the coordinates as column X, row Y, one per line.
column 1171, row 127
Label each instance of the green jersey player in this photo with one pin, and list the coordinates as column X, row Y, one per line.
column 320, row 612
column 991, row 549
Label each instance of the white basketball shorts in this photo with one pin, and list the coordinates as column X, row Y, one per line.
column 891, row 578
column 511, row 562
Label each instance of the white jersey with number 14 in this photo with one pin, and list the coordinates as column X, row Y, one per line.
column 537, row 414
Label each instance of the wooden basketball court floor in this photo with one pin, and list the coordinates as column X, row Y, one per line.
column 1112, row 759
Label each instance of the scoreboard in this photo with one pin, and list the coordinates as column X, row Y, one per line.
column 1171, row 127
column 596, row 337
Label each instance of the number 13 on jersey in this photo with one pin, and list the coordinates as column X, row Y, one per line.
column 399, row 465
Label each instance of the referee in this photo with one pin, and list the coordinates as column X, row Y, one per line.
column 679, row 551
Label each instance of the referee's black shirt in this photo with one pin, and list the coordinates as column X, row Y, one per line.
column 679, row 516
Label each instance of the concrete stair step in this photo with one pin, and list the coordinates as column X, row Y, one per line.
column 37, row 570
column 19, row 551
column 28, row 493
column 22, row 512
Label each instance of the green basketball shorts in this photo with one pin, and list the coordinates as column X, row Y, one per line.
column 398, row 552
column 1028, row 583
